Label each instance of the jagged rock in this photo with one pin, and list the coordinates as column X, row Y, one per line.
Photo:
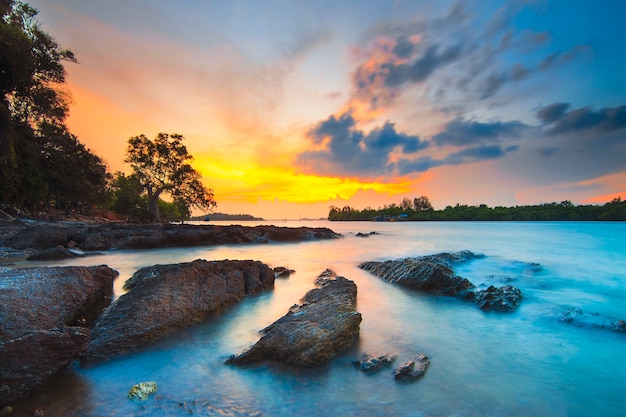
column 505, row 299
column 46, row 298
column 310, row 334
column 282, row 272
column 163, row 299
column 372, row 364
column 34, row 358
column 412, row 370
column 142, row 390
column 433, row 274
column 366, row 234
column 576, row 317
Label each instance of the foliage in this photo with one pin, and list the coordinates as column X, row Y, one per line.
column 564, row 211
column 162, row 167
column 42, row 165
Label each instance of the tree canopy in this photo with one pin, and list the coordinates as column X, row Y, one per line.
column 42, row 164
column 161, row 166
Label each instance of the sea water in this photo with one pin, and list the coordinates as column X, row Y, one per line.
column 526, row 363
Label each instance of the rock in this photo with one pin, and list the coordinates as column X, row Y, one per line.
column 163, row 299
column 142, row 390
column 34, row 358
column 46, row 298
column 58, row 252
column 372, row 364
column 504, row 299
column 366, row 234
column 313, row 333
column 412, row 370
column 433, row 274
column 282, row 272
column 576, row 317
column 103, row 236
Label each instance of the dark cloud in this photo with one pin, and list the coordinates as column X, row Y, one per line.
column 463, row 133
column 404, row 48
column 467, row 155
column 557, row 120
column 420, row 69
column 552, row 113
column 351, row 151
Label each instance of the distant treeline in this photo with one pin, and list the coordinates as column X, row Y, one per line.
column 224, row 216
column 564, row 211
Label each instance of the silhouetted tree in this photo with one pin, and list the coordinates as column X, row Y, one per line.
column 162, row 167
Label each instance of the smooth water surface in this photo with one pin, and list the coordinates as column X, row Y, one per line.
column 527, row 363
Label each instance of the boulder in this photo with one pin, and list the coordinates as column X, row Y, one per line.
column 282, row 272
column 372, row 364
column 142, row 390
column 163, row 299
column 504, row 299
column 314, row 332
column 412, row 370
column 34, row 358
column 46, row 298
column 434, row 274
column 51, row 254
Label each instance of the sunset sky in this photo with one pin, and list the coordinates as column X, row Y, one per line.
column 290, row 106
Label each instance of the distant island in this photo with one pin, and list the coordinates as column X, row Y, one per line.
column 420, row 209
column 224, row 216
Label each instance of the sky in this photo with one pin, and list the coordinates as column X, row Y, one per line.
column 291, row 106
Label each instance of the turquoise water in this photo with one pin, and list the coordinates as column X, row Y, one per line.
column 482, row 364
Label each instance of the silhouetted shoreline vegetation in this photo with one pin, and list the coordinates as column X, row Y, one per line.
column 614, row 210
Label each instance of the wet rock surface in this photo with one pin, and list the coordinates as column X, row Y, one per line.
column 314, row 332
column 434, row 274
column 34, row 358
column 413, row 369
column 39, row 308
column 46, row 298
column 576, row 317
column 88, row 237
column 162, row 299
column 372, row 364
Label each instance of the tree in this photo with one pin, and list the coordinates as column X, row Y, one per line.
column 406, row 203
column 422, row 203
column 162, row 167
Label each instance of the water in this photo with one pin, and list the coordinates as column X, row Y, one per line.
column 527, row 363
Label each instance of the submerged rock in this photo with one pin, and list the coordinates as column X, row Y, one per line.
column 372, row 364
column 142, row 390
column 282, row 272
column 433, row 274
column 412, row 370
column 576, row 317
column 313, row 333
column 163, row 299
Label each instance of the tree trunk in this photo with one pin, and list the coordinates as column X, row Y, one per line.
column 153, row 208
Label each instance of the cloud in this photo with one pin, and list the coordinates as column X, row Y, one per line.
column 350, row 151
column 422, row 67
column 465, row 156
column 463, row 133
column 557, row 120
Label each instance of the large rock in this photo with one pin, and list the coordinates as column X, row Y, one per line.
column 46, row 298
column 434, row 274
column 33, row 359
column 162, row 299
column 36, row 307
column 103, row 236
column 310, row 334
